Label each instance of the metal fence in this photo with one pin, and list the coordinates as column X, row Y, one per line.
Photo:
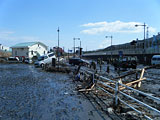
column 118, row 93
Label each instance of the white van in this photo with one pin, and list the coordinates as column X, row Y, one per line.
column 155, row 60
column 42, row 60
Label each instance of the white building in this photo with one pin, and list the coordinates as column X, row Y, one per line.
column 30, row 50
column 4, row 48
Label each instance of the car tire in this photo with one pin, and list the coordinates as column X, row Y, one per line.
column 42, row 66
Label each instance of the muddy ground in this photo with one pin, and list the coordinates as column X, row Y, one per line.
column 28, row 93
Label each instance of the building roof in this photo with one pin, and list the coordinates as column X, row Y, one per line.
column 27, row 44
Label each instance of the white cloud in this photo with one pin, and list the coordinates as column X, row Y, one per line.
column 114, row 27
column 5, row 33
column 94, row 24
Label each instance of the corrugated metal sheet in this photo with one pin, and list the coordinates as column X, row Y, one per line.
column 27, row 44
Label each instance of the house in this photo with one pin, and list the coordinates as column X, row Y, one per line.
column 30, row 50
column 4, row 48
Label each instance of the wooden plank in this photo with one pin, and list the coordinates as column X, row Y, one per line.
column 86, row 90
column 131, row 83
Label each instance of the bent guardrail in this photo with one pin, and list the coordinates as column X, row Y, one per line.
column 117, row 92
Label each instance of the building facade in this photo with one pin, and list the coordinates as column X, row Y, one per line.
column 149, row 46
column 30, row 50
column 55, row 50
column 142, row 49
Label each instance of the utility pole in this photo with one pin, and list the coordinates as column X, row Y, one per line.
column 147, row 36
column 111, row 44
column 144, row 25
column 58, row 47
column 80, row 50
column 63, row 48
column 74, row 44
column 144, row 39
column 68, row 53
column 144, row 49
column 147, row 33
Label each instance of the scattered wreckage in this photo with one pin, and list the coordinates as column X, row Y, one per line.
column 125, row 97
column 123, row 90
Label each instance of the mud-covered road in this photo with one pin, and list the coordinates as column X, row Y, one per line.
column 28, row 93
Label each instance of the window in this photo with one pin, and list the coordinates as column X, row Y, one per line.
column 41, row 58
column 15, row 52
column 45, row 57
column 50, row 55
column 32, row 52
column 154, row 58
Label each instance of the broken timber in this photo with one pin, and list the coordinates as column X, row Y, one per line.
column 135, row 83
column 87, row 90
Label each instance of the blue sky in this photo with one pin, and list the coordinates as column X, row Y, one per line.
column 89, row 20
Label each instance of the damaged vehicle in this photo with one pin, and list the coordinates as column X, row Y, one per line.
column 75, row 61
column 45, row 59
column 125, row 63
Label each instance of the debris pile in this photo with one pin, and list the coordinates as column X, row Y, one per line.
column 93, row 83
column 61, row 67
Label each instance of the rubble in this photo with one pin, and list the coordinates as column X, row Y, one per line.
column 86, row 83
column 133, row 78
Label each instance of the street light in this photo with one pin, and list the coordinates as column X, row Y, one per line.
column 144, row 25
column 111, row 43
column 80, row 50
column 58, row 47
column 74, row 44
